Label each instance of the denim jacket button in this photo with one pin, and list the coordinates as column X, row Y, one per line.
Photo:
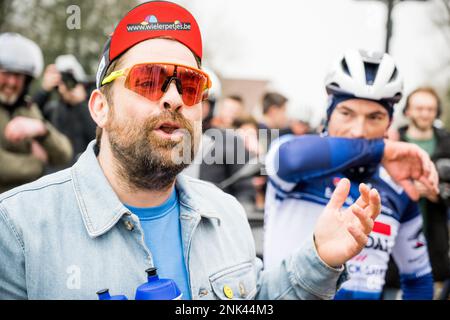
column 129, row 225
column 242, row 290
column 228, row 292
column 202, row 292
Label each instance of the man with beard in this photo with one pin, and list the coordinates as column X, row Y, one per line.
column 422, row 108
column 123, row 207
column 27, row 141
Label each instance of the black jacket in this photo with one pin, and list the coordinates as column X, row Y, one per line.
column 231, row 154
column 73, row 121
column 436, row 215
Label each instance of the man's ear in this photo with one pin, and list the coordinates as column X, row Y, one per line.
column 99, row 108
column 406, row 111
column 269, row 112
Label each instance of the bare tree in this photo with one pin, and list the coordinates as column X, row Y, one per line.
column 5, row 6
column 46, row 22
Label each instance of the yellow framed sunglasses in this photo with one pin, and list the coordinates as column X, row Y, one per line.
column 151, row 80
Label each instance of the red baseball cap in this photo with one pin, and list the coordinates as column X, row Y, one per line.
column 147, row 21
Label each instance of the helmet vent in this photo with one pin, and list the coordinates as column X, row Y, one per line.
column 345, row 67
column 394, row 75
column 334, row 84
column 371, row 70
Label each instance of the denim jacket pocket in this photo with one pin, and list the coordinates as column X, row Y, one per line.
column 235, row 283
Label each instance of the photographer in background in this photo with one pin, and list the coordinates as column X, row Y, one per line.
column 27, row 141
column 69, row 112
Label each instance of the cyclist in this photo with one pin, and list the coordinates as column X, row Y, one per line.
column 303, row 172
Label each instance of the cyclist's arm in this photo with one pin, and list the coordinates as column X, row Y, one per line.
column 296, row 159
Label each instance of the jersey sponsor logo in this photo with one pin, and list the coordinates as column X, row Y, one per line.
column 418, row 239
column 360, row 257
column 365, row 276
column 382, row 228
column 419, row 244
column 377, row 243
column 386, row 210
column 366, row 269
column 336, row 181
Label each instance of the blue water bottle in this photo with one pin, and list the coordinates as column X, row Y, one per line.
column 104, row 295
column 157, row 289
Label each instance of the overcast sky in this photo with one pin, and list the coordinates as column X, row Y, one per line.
column 292, row 42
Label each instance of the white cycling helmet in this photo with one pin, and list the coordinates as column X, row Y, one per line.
column 304, row 113
column 215, row 92
column 20, row 54
column 68, row 63
column 366, row 75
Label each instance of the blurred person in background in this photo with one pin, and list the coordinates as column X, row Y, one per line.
column 274, row 117
column 274, row 111
column 69, row 112
column 222, row 152
column 252, row 189
column 304, row 170
column 209, row 105
column 27, row 141
column 247, row 128
column 229, row 109
column 208, row 109
column 223, row 155
column 300, row 121
column 422, row 109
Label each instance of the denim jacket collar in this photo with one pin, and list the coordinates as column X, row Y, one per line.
column 101, row 208
column 193, row 203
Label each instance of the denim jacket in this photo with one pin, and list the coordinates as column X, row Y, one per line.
column 67, row 235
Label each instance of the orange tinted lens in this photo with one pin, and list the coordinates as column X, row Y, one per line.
column 147, row 80
column 193, row 84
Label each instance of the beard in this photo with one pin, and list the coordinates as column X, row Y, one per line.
column 8, row 100
column 421, row 127
column 144, row 159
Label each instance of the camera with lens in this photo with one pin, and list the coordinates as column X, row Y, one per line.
column 72, row 73
column 68, row 79
column 443, row 168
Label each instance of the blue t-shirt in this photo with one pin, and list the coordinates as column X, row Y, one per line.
column 162, row 235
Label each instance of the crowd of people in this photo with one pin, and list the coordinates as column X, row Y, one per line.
column 279, row 166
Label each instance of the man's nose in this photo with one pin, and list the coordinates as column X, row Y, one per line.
column 172, row 98
column 358, row 129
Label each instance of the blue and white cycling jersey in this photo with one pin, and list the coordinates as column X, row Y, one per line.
column 303, row 172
